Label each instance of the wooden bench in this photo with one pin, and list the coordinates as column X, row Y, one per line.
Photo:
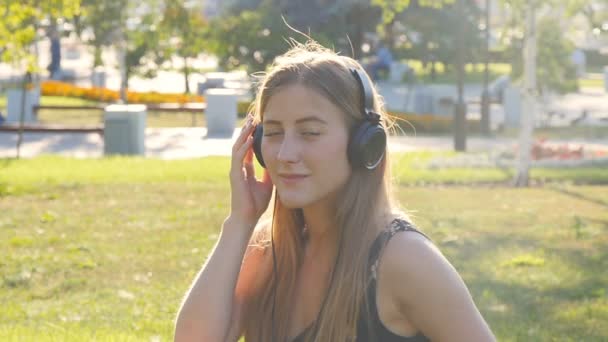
column 32, row 128
column 163, row 107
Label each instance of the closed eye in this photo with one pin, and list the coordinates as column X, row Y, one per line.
column 311, row 133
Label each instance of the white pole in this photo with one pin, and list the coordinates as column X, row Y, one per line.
column 529, row 99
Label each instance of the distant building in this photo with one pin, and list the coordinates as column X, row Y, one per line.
column 211, row 8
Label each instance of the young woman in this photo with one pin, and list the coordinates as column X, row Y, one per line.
column 337, row 261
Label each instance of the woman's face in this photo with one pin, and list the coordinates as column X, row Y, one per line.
column 304, row 146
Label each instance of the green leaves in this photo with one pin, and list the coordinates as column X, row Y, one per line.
column 390, row 8
column 20, row 19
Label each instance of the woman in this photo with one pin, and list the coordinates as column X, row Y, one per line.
column 337, row 261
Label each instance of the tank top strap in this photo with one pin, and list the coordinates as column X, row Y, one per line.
column 396, row 225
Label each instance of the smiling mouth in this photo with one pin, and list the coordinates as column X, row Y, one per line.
column 292, row 178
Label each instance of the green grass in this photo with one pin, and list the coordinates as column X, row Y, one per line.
column 572, row 132
column 23, row 176
column 591, row 83
column 95, row 117
column 474, row 73
column 104, row 249
column 54, row 101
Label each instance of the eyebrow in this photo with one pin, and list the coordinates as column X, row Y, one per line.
column 299, row 121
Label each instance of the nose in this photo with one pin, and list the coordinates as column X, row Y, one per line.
column 289, row 150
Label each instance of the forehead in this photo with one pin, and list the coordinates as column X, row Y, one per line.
column 293, row 102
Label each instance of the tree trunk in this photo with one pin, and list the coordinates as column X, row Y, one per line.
column 527, row 113
column 460, row 110
column 97, row 61
column 355, row 17
column 390, row 34
column 186, row 75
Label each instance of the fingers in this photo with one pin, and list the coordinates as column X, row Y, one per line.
column 240, row 153
column 248, row 163
column 242, row 143
column 245, row 133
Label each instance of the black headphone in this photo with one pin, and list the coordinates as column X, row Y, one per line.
column 367, row 142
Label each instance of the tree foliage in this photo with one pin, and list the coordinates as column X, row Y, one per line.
column 555, row 71
column 252, row 33
column 431, row 32
column 104, row 18
column 21, row 20
column 183, row 33
column 391, row 8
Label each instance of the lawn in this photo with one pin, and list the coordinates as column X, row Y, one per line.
column 474, row 73
column 104, row 249
column 95, row 117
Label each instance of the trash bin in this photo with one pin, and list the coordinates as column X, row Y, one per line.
column 212, row 80
column 221, row 112
column 15, row 101
column 124, row 129
column 98, row 78
column 606, row 79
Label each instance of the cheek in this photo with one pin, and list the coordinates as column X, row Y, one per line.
column 332, row 158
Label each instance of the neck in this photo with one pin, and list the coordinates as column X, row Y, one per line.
column 322, row 234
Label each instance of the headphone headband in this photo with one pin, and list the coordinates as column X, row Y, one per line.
column 367, row 95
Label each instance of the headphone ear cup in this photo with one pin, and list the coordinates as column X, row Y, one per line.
column 258, row 133
column 367, row 146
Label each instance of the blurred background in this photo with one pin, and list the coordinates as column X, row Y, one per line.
column 117, row 119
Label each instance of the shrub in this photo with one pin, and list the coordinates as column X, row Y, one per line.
column 54, row 88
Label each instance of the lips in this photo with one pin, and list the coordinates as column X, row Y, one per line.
column 291, row 178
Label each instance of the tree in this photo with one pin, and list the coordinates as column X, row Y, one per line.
column 431, row 32
column 596, row 12
column 391, row 8
column 243, row 37
column 343, row 23
column 556, row 73
column 250, row 39
column 21, row 20
column 183, row 33
column 143, row 52
column 102, row 17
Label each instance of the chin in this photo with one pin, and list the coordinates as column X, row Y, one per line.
column 294, row 201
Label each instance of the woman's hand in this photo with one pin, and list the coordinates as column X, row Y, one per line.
column 249, row 196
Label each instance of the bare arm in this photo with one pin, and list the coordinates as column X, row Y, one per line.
column 430, row 291
column 205, row 314
column 212, row 309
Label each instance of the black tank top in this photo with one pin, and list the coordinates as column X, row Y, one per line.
column 369, row 327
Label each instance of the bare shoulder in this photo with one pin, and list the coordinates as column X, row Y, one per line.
column 429, row 290
column 410, row 260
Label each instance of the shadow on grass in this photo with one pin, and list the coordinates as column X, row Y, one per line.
column 527, row 308
column 579, row 196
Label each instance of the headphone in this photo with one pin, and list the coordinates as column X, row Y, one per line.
column 367, row 142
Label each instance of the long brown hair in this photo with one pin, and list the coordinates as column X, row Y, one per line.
column 363, row 207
